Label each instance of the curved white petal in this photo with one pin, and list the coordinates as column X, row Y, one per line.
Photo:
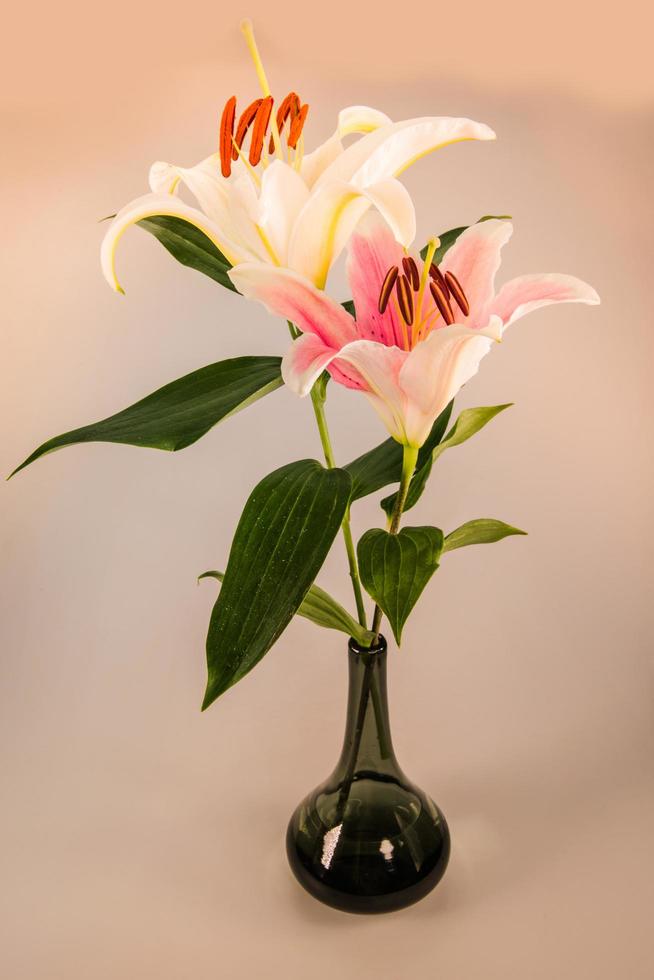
column 434, row 372
column 474, row 259
column 285, row 293
column 353, row 119
column 149, row 206
column 204, row 181
column 526, row 293
column 389, row 150
column 314, row 163
column 394, row 203
column 323, row 227
column 304, row 362
column 360, row 119
column 283, row 195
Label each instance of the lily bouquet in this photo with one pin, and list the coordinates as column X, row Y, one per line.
column 270, row 220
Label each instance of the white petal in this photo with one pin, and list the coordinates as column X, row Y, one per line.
column 323, row 227
column 283, row 195
column 204, row 181
column 380, row 367
column 360, row 119
column 435, row 370
column 314, row 163
column 149, row 206
column 389, row 150
column 394, row 203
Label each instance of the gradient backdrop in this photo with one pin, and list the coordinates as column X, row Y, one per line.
column 142, row 839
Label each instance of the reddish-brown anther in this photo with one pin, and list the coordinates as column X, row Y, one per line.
column 226, row 136
column 438, row 277
column 290, row 106
column 261, row 121
column 247, row 118
column 411, row 272
column 387, row 288
column 442, row 302
column 404, row 299
column 297, row 125
column 457, row 291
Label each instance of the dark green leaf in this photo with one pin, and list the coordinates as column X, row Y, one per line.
column 349, row 306
column 286, row 529
column 179, row 413
column 448, row 238
column 383, row 464
column 190, row 246
column 323, row 610
column 482, row 531
column 395, row 568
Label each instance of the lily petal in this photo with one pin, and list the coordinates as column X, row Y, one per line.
column 204, row 181
column 394, row 203
column 379, row 367
column 474, row 259
column 285, row 293
column 526, row 293
column 435, row 371
column 323, row 227
column 283, row 195
column 304, row 362
column 372, row 250
column 389, row 150
column 360, row 119
column 149, row 206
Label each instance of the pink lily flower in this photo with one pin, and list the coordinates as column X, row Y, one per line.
column 420, row 331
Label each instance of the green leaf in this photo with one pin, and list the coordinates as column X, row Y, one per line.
column 395, row 568
column 190, row 246
column 283, row 536
column 179, row 413
column 482, row 531
column 383, row 464
column 469, row 422
column 323, row 610
column 448, row 238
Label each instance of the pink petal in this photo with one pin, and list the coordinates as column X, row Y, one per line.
column 290, row 295
column 474, row 259
column 304, row 362
column 372, row 251
column 526, row 293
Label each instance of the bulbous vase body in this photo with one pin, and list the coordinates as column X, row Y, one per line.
column 367, row 839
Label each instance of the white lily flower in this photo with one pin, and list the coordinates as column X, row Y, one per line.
column 295, row 210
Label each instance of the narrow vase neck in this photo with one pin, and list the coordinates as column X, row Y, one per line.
column 367, row 743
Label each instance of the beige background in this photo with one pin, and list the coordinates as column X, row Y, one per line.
column 142, row 839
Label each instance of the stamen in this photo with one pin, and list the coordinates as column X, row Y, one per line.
column 226, row 136
column 405, row 299
column 247, row 118
column 411, row 272
column 438, row 277
column 457, row 292
column 259, row 129
column 387, row 288
column 297, row 125
column 290, row 106
column 442, row 302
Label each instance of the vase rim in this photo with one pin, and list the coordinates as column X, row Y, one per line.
column 379, row 647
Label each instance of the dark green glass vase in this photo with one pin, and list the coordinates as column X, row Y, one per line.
column 367, row 839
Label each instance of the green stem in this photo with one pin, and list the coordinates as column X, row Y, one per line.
column 318, row 402
column 408, row 467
